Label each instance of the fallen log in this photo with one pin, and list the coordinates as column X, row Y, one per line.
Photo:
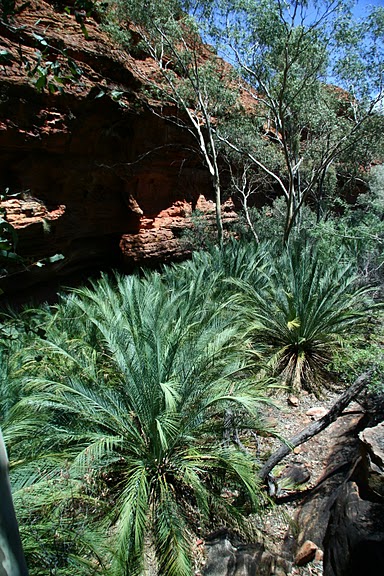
column 316, row 427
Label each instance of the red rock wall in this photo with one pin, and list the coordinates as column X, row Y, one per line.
column 99, row 176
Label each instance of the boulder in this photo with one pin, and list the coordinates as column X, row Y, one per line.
column 306, row 553
column 227, row 557
column 354, row 542
column 372, row 469
column 293, row 474
column 373, row 439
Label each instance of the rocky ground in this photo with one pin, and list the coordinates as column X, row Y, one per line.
column 302, row 470
column 295, row 531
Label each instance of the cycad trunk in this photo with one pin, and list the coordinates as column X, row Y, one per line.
column 12, row 561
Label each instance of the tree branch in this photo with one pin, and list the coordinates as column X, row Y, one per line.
column 255, row 161
column 316, row 427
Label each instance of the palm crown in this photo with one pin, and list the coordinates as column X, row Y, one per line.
column 130, row 386
column 302, row 313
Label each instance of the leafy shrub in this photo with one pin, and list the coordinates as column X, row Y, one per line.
column 356, row 230
column 236, row 259
column 202, row 233
column 363, row 351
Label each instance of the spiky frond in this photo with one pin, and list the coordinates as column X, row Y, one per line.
column 128, row 391
column 303, row 313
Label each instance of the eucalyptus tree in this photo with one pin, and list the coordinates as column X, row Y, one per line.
column 315, row 76
column 185, row 73
column 130, row 385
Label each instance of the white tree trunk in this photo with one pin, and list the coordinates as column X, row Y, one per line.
column 12, row 561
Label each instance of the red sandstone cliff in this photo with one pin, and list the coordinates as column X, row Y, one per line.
column 101, row 179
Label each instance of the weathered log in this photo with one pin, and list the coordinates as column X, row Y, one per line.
column 316, row 427
column 12, row 561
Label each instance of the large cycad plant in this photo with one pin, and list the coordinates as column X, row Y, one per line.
column 129, row 387
column 306, row 309
column 245, row 261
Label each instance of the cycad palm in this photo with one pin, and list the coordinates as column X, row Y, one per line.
column 238, row 260
column 138, row 404
column 303, row 313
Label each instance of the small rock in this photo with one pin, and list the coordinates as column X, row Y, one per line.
column 295, row 473
column 297, row 450
column 316, row 412
column 271, row 422
column 306, row 553
column 293, row 401
column 319, row 555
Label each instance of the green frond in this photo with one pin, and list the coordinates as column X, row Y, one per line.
column 171, row 395
column 301, row 315
column 126, row 395
column 171, row 537
column 102, row 449
column 132, row 520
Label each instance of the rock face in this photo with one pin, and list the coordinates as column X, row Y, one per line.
column 99, row 177
column 225, row 557
column 340, row 453
column 354, row 543
column 344, row 514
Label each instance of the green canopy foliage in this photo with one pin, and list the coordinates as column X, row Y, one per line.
column 301, row 104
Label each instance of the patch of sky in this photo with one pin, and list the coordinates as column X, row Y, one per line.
column 354, row 39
